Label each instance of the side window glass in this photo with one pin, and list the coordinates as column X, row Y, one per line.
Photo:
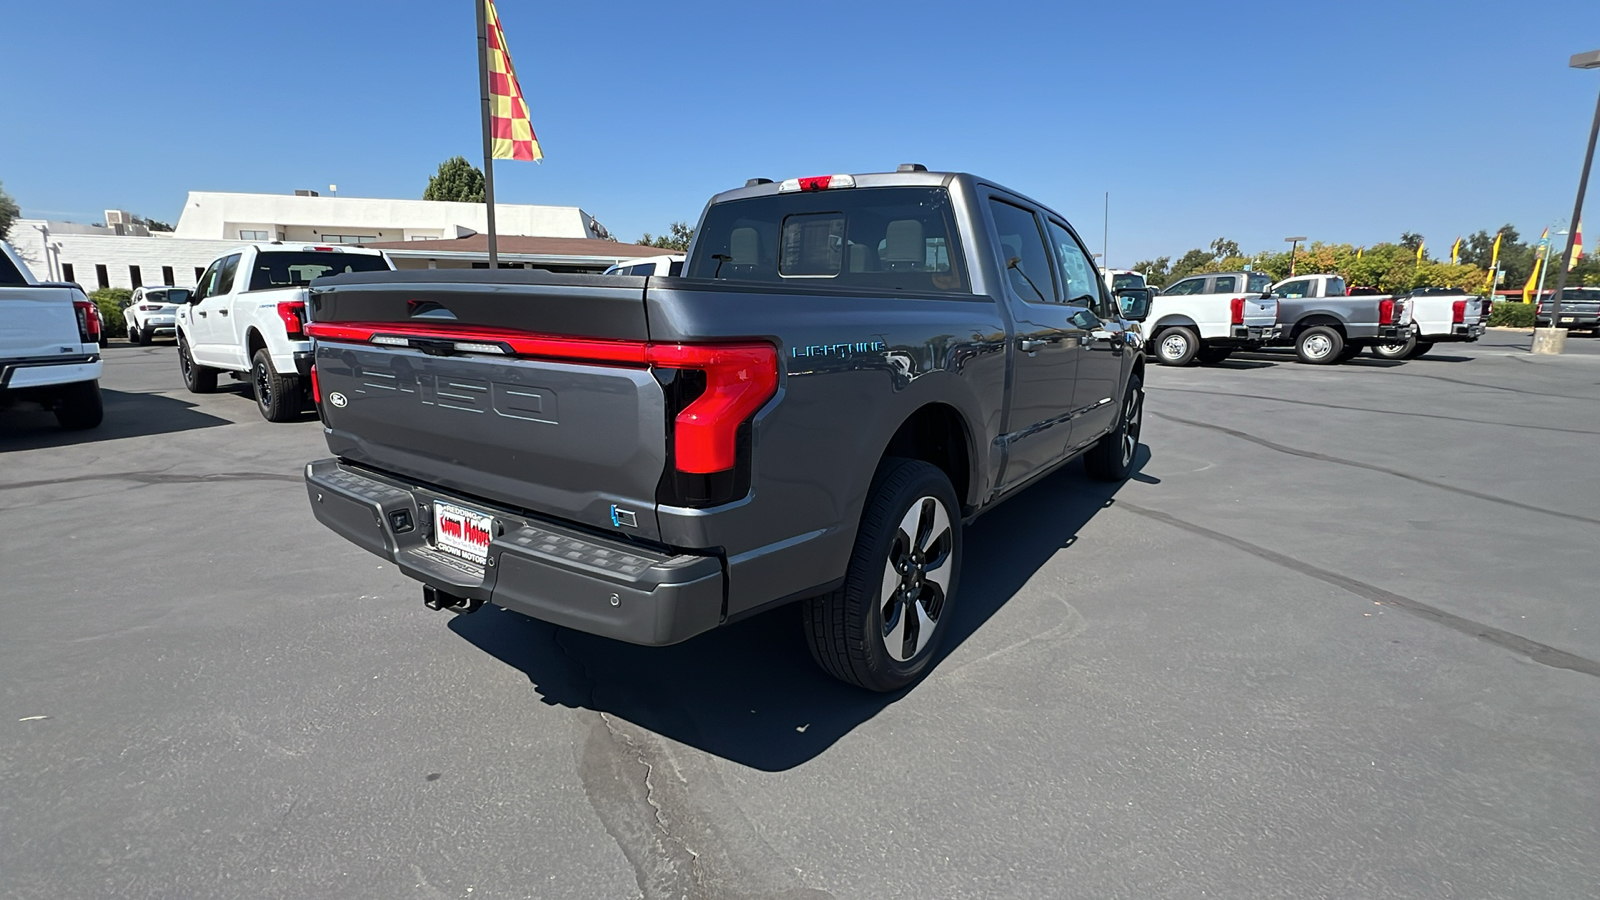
column 1030, row 278
column 202, row 288
column 1082, row 287
column 1226, row 284
column 1294, row 290
column 1260, row 284
column 230, row 266
column 1186, row 287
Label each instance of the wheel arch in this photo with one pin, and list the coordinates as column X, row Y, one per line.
column 1175, row 320
column 1311, row 320
column 937, row 433
column 253, row 342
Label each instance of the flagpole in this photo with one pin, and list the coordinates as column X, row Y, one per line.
column 488, row 145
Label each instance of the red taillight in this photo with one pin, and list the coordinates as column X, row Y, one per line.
column 316, row 389
column 739, row 377
column 1458, row 312
column 1385, row 312
column 1236, row 310
column 293, row 314
column 88, row 321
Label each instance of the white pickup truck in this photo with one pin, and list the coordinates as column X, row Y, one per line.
column 247, row 317
column 1435, row 316
column 1207, row 317
column 49, row 345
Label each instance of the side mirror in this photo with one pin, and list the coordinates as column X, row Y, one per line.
column 1135, row 303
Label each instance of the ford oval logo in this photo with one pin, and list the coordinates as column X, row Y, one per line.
column 337, row 399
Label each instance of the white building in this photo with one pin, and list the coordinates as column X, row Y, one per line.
column 127, row 255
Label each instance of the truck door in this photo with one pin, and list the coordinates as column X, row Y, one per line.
column 1097, row 387
column 1046, row 347
column 213, row 318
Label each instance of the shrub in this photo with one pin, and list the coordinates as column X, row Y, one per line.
column 111, row 301
column 1511, row 314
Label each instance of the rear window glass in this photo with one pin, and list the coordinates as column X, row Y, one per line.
column 1118, row 282
column 274, row 270
column 9, row 274
column 174, row 295
column 1335, row 287
column 895, row 239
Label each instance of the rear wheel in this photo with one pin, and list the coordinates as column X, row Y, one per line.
column 277, row 396
column 881, row 628
column 1319, row 345
column 147, row 334
column 1210, row 356
column 133, row 333
column 1350, row 351
column 1177, row 346
column 197, row 378
column 1403, row 349
column 1111, row 459
column 79, row 406
column 1421, row 348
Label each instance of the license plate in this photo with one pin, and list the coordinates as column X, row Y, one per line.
column 461, row 532
column 1569, row 318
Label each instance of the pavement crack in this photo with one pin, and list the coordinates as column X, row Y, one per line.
column 1323, row 457
column 1387, row 412
column 1544, row 654
column 160, row 478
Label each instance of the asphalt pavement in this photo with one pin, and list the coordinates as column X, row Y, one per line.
column 1337, row 638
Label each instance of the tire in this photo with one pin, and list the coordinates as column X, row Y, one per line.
column 1350, row 351
column 1319, row 345
column 1177, row 346
column 134, row 335
column 1210, row 356
column 147, row 334
column 277, row 396
column 79, row 407
column 1111, row 458
column 1398, row 350
column 1422, row 348
column 846, row 627
column 197, row 378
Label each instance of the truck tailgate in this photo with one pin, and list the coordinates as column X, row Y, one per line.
column 1260, row 312
column 37, row 321
column 418, row 379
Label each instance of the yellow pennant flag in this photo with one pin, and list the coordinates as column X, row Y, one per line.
column 1533, row 280
column 1494, row 263
column 1420, row 248
column 1360, row 250
column 1455, row 253
column 1577, row 247
column 508, row 119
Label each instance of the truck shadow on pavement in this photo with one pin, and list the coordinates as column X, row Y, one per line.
column 127, row 415
column 749, row 692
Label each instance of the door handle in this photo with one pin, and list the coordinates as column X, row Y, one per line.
column 1027, row 345
column 201, row 313
column 222, row 312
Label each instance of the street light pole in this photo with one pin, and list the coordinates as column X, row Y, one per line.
column 1294, row 245
column 1552, row 342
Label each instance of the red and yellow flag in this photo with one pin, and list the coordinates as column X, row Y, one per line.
column 510, row 126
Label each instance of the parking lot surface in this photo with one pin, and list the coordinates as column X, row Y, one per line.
column 1337, row 638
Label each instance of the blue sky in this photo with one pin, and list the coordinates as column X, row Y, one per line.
column 1344, row 121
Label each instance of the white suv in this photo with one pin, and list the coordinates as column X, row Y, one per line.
column 153, row 312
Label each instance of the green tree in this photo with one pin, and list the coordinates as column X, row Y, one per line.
column 677, row 238
column 457, row 180
column 8, row 212
column 1157, row 272
column 1195, row 260
column 153, row 224
column 1410, row 240
column 1222, row 248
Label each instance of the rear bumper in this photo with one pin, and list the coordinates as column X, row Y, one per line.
column 1250, row 335
column 1458, row 334
column 302, row 362
column 538, row 568
column 1377, row 334
column 1566, row 320
column 16, row 374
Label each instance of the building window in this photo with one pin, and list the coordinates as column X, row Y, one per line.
column 280, row 235
column 135, row 277
column 199, row 271
column 483, row 265
column 101, row 276
column 166, row 276
column 66, row 273
column 253, row 236
column 348, row 238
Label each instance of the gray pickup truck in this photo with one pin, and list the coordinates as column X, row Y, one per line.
column 850, row 369
column 1325, row 324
